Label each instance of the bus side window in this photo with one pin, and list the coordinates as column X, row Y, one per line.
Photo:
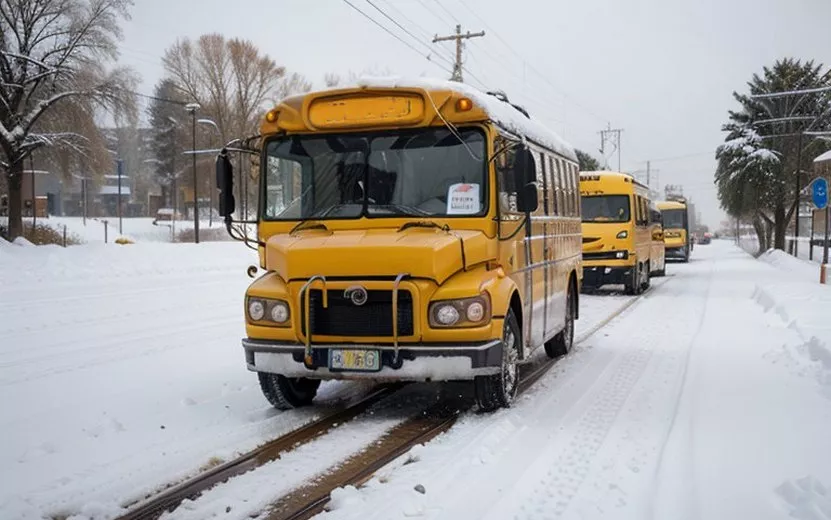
column 504, row 164
column 552, row 186
column 572, row 182
column 644, row 214
column 543, row 206
column 637, row 203
column 572, row 189
column 561, row 189
column 576, row 180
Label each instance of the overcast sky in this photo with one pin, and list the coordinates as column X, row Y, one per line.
column 662, row 70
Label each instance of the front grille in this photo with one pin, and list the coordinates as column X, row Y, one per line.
column 344, row 318
column 605, row 255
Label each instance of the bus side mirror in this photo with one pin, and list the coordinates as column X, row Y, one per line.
column 525, row 172
column 225, row 184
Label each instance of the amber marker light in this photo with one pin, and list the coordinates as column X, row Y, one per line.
column 464, row 104
column 271, row 116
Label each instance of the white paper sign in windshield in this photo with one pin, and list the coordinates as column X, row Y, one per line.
column 463, row 199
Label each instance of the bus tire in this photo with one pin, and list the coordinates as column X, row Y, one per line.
column 646, row 278
column 633, row 286
column 660, row 272
column 285, row 393
column 499, row 390
column 561, row 344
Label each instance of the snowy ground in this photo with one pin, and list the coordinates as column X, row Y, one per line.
column 709, row 398
column 141, row 229
column 121, row 371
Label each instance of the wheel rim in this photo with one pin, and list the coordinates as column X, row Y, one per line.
column 509, row 362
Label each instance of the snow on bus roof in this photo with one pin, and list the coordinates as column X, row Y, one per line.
column 499, row 111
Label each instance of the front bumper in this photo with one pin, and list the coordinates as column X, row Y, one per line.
column 416, row 362
column 675, row 252
column 595, row 276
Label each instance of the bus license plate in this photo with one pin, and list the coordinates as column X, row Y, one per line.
column 358, row 360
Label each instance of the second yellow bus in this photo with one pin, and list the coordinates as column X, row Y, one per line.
column 617, row 237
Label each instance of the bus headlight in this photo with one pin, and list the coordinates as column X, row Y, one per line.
column 464, row 312
column 447, row 315
column 622, row 255
column 269, row 312
column 256, row 309
column 622, row 234
column 279, row 312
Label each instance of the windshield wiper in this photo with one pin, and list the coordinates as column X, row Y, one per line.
column 424, row 224
column 312, row 224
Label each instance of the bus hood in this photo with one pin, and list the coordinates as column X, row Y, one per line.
column 420, row 252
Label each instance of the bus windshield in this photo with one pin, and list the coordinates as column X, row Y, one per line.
column 605, row 208
column 428, row 172
column 674, row 218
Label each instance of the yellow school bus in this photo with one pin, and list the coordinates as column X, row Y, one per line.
column 657, row 254
column 617, row 240
column 409, row 231
column 676, row 229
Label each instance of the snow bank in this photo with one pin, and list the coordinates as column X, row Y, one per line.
column 50, row 264
column 791, row 264
column 792, row 293
column 500, row 112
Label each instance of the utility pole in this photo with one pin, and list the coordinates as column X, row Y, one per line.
column 458, row 37
column 192, row 108
column 612, row 136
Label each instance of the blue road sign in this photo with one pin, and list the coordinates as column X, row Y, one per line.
column 819, row 193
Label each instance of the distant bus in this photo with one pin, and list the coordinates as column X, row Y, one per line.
column 677, row 237
column 657, row 254
column 617, row 238
column 410, row 231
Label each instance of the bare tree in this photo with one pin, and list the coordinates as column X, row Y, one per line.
column 234, row 83
column 331, row 79
column 230, row 79
column 53, row 55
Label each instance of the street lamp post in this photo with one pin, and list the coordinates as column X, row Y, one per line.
column 192, row 108
column 119, row 170
column 211, row 189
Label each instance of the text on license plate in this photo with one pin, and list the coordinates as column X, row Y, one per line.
column 354, row 359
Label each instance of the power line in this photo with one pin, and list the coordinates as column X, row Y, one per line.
column 376, row 22
column 443, row 8
column 425, row 35
column 530, row 66
column 413, row 36
column 431, row 11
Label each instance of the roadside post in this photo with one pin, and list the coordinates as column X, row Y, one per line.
column 819, row 196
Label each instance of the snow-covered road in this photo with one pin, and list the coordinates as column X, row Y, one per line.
column 120, row 371
column 680, row 408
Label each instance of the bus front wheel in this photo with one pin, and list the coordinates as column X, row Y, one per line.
column 499, row 390
column 634, row 284
column 286, row 393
